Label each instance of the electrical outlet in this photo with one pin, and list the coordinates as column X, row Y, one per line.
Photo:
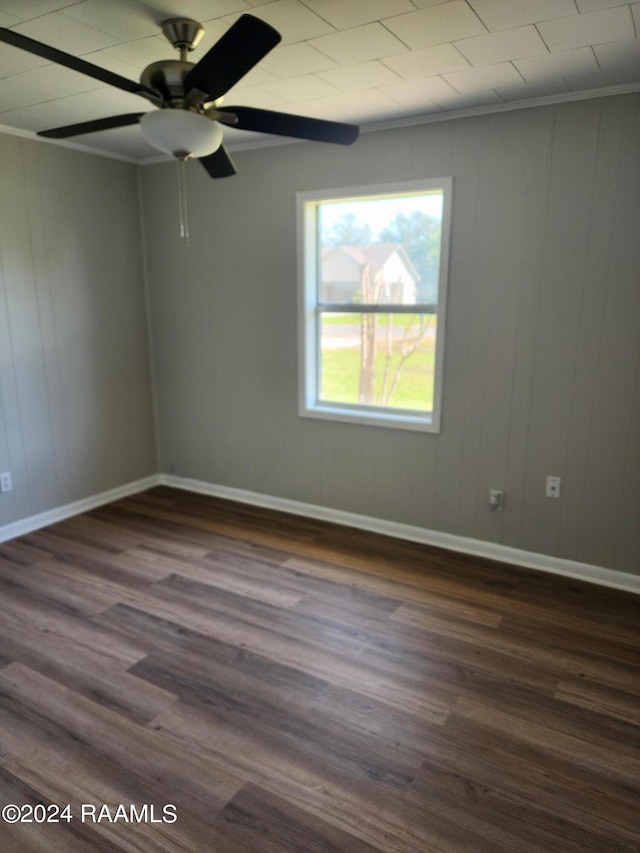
column 496, row 500
column 5, row 482
column 553, row 487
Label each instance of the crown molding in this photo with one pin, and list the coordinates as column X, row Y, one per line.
column 373, row 127
column 503, row 107
column 440, row 115
column 21, row 133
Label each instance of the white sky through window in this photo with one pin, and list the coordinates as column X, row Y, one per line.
column 378, row 213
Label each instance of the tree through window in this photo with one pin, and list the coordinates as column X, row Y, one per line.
column 373, row 279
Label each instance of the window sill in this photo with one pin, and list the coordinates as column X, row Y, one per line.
column 369, row 417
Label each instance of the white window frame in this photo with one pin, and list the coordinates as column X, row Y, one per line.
column 310, row 406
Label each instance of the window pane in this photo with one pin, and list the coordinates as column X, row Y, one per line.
column 373, row 264
column 380, row 250
column 385, row 360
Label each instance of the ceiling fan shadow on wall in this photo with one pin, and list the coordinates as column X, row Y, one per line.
column 189, row 119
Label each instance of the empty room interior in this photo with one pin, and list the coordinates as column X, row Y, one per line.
column 320, row 446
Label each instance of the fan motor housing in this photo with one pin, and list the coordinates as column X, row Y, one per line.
column 167, row 77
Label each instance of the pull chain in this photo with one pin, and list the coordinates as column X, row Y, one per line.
column 183, row 211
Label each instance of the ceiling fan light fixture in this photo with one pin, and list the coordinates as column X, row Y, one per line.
column 183, row 126
column 181, row 132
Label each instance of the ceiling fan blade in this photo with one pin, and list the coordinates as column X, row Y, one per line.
column 218, row 164
column 54, row 55
column 301, row 127
column 243, row 45
column 91, row 126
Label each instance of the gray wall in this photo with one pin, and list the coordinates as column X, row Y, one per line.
column 543, row 344
column 542, row 351
column 76, row 415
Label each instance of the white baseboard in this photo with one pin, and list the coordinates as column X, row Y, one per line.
column 462, row 544
column 44, row 519
column 477, row 547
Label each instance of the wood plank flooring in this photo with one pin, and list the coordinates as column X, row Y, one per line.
column 288, row 685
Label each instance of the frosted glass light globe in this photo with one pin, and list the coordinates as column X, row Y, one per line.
column 181, row 132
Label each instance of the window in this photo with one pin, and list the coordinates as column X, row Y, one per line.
column 373, row 273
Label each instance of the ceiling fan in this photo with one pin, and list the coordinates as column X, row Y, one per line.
column 189, row 96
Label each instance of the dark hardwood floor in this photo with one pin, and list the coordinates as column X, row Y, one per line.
column 287, row 685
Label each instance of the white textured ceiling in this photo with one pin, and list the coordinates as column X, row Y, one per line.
column 361, row 61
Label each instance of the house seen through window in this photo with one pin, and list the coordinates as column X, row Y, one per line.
column 373, row 265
